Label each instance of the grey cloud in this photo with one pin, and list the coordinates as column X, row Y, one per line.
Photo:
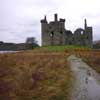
column 3, row 29
column 21, row 18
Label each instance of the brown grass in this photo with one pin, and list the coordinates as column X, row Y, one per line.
column 92, row 57
column 34, row 76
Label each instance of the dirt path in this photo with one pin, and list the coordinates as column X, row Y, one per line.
column 87, row 82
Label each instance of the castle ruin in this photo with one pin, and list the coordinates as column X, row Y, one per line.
column 54, row 33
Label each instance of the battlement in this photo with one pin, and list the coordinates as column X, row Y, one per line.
column 62, row 20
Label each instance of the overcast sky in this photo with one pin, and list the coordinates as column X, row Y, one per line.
column 20, row 19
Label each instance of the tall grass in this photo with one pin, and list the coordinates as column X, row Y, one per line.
column 35, row 76
column 92, row 57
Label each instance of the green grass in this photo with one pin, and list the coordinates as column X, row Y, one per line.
column 60, row 48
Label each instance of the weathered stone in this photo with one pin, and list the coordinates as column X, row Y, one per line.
column 54, row 33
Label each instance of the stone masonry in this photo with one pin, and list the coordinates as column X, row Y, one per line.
column 54, row 33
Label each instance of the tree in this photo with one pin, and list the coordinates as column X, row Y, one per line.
column 31, row 40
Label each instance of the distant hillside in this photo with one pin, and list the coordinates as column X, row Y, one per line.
column 96, row 44
column 16, row 47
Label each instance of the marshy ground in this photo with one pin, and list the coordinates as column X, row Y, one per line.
column 35, row 76
column 45, row 73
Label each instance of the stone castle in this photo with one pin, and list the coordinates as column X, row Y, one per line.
column 54, row 33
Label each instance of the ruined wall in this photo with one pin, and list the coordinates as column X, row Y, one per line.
column 44, row 30
column 54, row 33
column 88, row 36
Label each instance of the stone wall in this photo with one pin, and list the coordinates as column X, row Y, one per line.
column 54, row 33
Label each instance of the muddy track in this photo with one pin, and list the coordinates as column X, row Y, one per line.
column 87, row 81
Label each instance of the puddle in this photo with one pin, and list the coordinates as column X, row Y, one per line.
column 87, row 85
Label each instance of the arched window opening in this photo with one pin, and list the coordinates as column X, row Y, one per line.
column 82, row 32
column 52, row 36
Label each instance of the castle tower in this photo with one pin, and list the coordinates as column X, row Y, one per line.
column 88, row 34
column 53, row 33
column 85, row 24
column 45, row 18
column 56, row 17
column 44, row 28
